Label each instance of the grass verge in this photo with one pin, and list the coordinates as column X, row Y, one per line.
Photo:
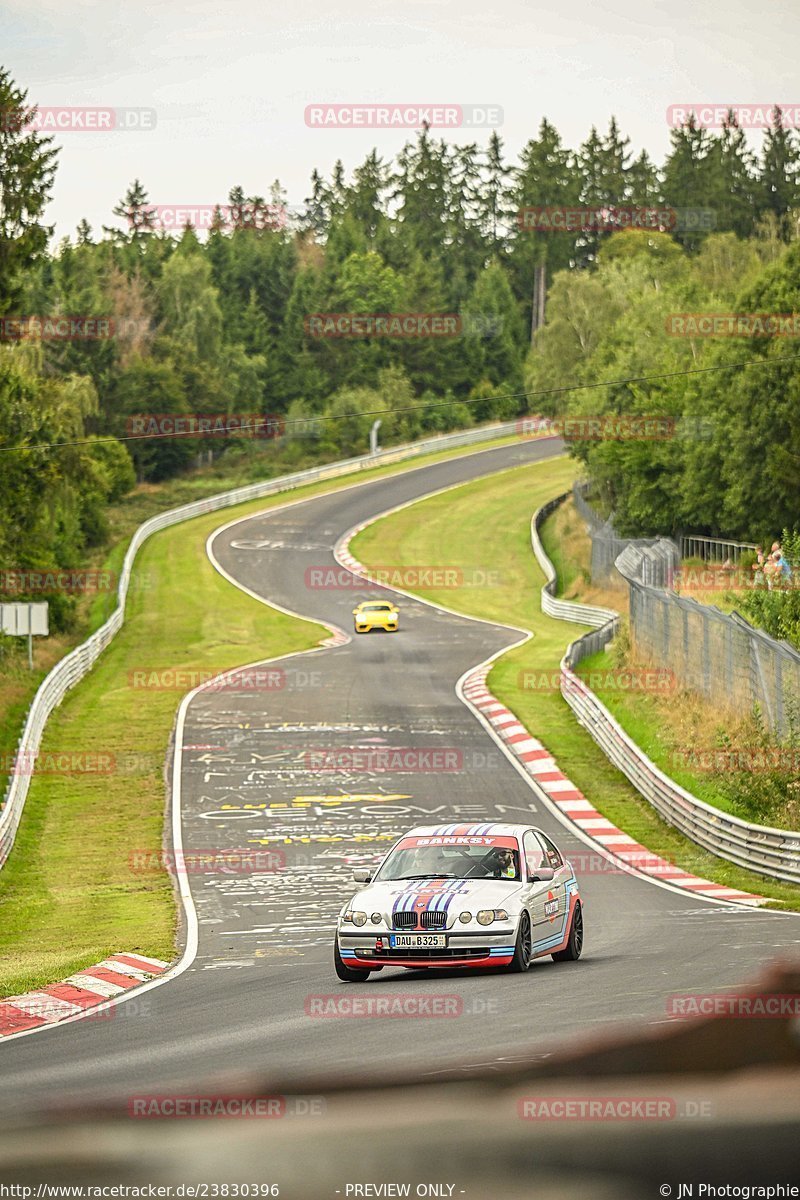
column 486, row 524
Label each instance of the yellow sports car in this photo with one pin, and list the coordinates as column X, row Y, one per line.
column 375, row 614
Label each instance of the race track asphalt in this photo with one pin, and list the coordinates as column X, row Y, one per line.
column 257, row 776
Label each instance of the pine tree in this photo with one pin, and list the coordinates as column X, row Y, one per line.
column 137, row 211
column 688, row 175
column 779, row 176
column 422, row 190
column 546, row 178
column 317, row 212
column 27, row 170
column 492, row 196
column 643, row 182
column 366, row 196
column 733, row 180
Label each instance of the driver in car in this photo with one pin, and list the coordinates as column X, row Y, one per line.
column 501, row 864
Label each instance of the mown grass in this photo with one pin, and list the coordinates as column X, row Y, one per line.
column 487, row 524
column 68, row 894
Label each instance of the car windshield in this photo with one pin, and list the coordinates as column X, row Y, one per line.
column 467, row 858
column 375, row 607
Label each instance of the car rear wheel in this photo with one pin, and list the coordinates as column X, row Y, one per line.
column 523, row 946
column 345, row 973
column 574, row 946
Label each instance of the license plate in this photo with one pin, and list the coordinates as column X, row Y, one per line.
column 408, row 941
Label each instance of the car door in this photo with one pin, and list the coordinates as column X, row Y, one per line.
column 555, row 901
column 536, row 893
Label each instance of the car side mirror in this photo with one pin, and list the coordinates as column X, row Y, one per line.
column 355, row 612
column 362, row 875
column 541, row 875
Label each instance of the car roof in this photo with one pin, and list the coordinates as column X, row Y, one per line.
column 471, row 829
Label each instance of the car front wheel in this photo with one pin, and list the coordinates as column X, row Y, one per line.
column 345, row 973
column 523, row 946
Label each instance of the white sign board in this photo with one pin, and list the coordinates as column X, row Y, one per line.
column 22, row 620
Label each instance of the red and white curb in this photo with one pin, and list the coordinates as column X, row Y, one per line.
column 87, row 988
column 569, row 800
column 346, row 559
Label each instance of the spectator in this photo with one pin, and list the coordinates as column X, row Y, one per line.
column 758, row 567
column 784, row 570
column 771, row 570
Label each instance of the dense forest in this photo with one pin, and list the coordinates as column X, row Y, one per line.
column 221, row 323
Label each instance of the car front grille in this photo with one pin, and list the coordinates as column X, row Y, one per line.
column 434, row 920
column 405, row 920
column 427, row 920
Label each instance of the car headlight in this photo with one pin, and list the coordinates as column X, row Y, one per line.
column 487, row 915
column 356, row 918
column 376, row 918
column 465, row 917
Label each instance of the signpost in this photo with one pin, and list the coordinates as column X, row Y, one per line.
column 25, row 620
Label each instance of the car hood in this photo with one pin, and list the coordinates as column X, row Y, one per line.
column 452, row 895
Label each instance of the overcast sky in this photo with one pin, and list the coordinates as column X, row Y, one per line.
column 230, row 82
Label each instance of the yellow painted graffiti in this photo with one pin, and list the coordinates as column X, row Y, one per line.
column 309, row 801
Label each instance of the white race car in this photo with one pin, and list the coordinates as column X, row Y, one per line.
column 478, row 895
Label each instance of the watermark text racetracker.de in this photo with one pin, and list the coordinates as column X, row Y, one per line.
column 67, row 582
column 611, row 218
column 209, row 861
column 253, row 214
column 746, row 116
column 571, row 1107
column 654, row 680
column 238, row 1107
column 388, row 324
column 602, row 427
column 326, row 578
column 403, row 325
column 58, row 762
column 66, row 327
column 731, row 324
column 185, row 679
column 732, row 758
column 204, row 425
column 403, row 116
column 70, row 119
column 378, row 759
column 398, row 1005
column 755, row 1007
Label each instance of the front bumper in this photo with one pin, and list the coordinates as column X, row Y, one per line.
column 472, row 949
column 387, row 626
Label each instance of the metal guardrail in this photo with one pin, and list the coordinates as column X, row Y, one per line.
column 712, row 549
column 771, row 852
column 566, row 610
column 75, row 665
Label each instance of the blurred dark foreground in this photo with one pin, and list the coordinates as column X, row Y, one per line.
column 712, row 1104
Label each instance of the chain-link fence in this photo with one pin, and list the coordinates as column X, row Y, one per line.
column 660, row 555
column 771, row 852
column 718, row 654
